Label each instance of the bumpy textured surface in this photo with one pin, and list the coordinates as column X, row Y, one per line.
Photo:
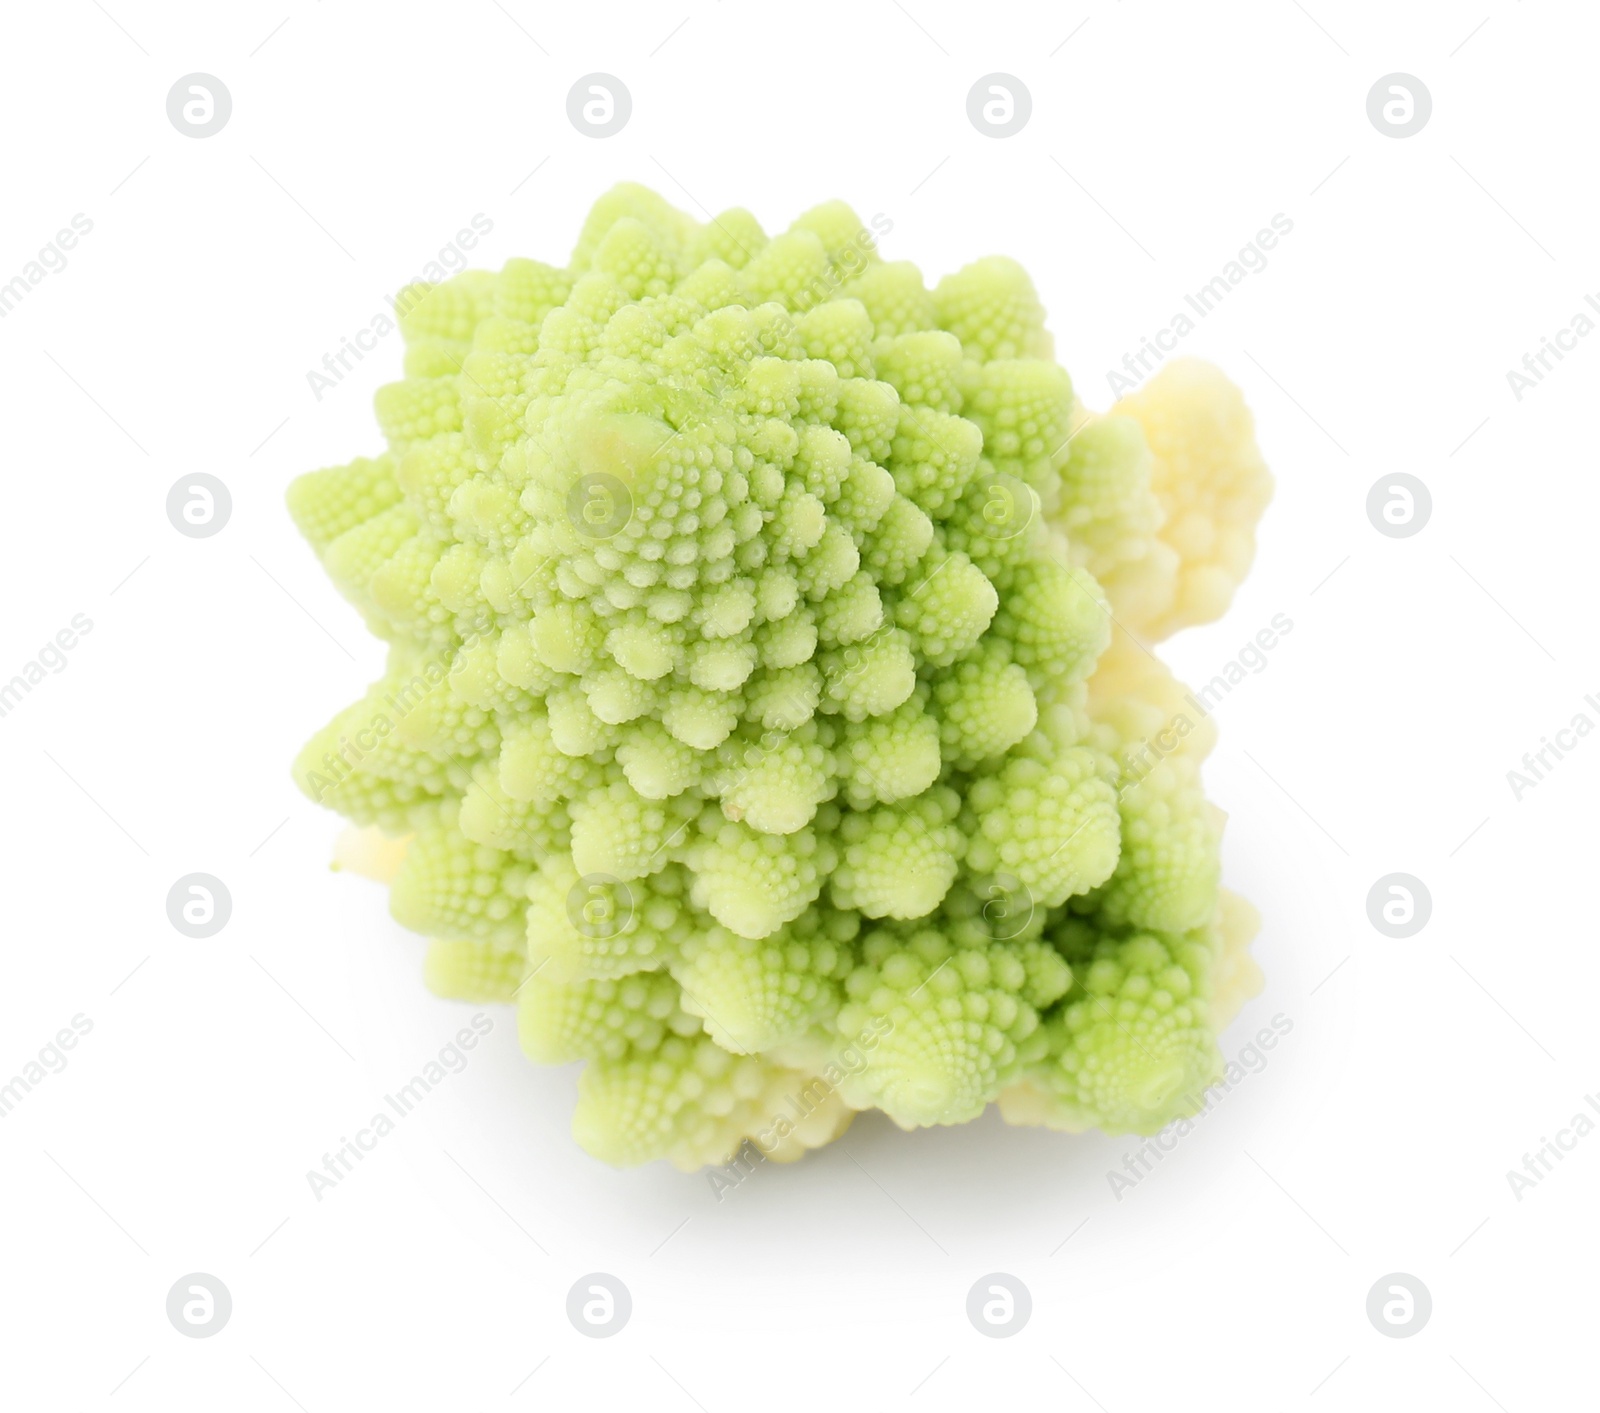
column 769, row 711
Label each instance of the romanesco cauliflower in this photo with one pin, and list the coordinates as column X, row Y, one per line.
column 768, row 713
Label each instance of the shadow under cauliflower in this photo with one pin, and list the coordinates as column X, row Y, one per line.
column 769, row 709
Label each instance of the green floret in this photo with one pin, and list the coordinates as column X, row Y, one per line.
column 462, row 970
column 533, row 768
column 763, row 713
column 899, row 860
column 358, row 765
column 358, row 553
column 755, row 994
column 1025, row 409
column 527, row 290
column 1132, row 1047
column 657, row 765
column 952, row 1024
column 1103, row 501
column 618, row 832
column 868, row 413
column 991, row 306
column 1048, row 816
column 561, row 1021
column 895, row 298
column 840, row 333
column 417, row 409
column 934, row 458
column 887, row 758
column 898, row 541
column 1169, row 870
column 1056, row 621
column 446, row 725
column 451, row 311
column 775, row 785
column 753, row 883
column 451, row 887
column 690, row 1102
column 870, row 678
column 325, row 504
column 947, row 605
column 430, row 473
column 985, row 707
column 532, row 832
column 997, row 524
column 924, row 368
column 593, row 926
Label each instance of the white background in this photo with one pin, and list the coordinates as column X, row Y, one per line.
column 1377, row 739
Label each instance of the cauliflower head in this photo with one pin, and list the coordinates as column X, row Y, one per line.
column 769, row 712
